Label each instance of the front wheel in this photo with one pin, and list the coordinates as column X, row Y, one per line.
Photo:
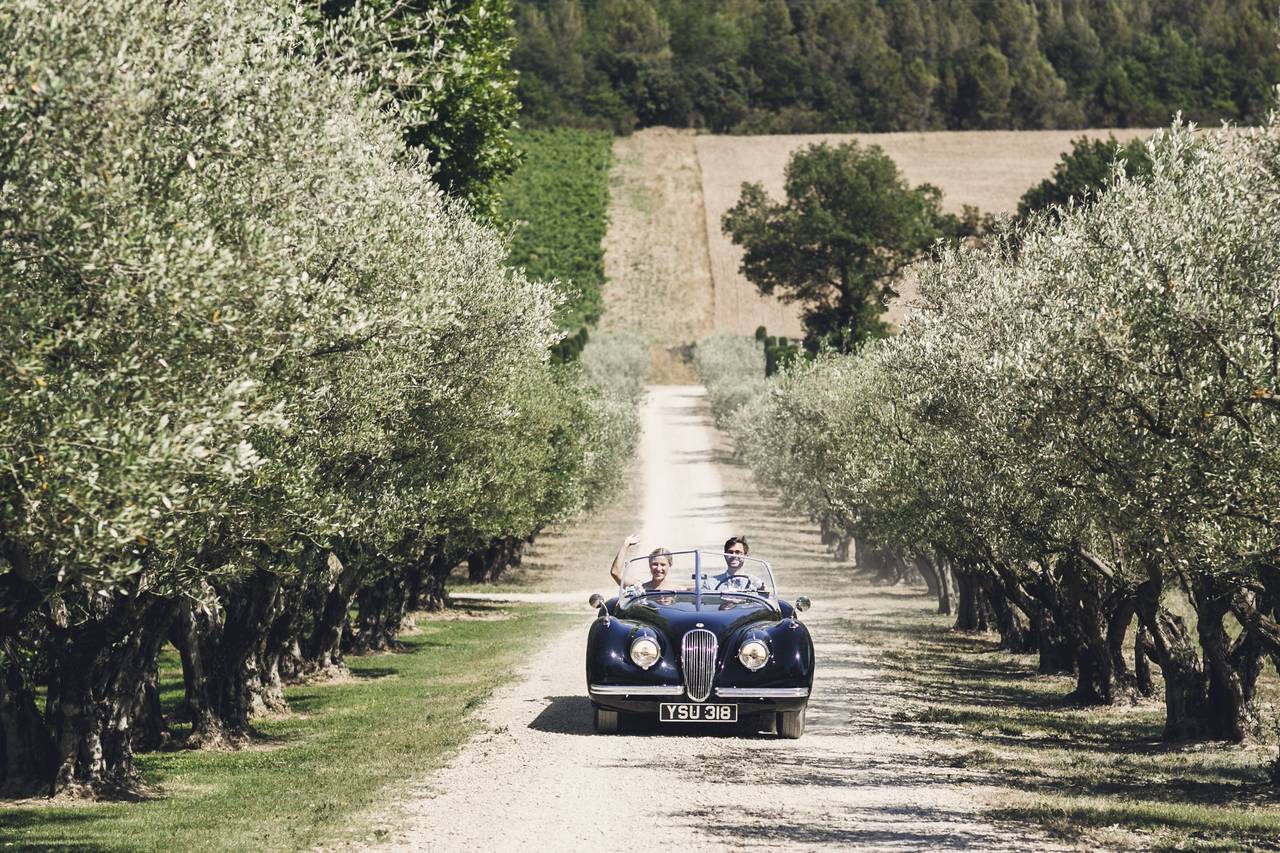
column 791, row 724
column 607, row 722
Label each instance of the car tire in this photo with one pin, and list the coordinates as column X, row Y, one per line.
column 791, row 724
column 607, row 722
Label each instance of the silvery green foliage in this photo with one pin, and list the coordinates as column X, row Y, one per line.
column 150, row 276
column 1110, row 385
column 443, row 67
column 614, row 368
column 233, row 309
column 732, row 368
column 794, row 438
column 619, row 361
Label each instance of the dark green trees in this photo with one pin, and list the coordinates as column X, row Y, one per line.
column 780, row 66
column 446, row 66
column 1084, row 170
column 849, row 225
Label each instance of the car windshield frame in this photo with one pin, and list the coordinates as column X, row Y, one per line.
column 699, row 555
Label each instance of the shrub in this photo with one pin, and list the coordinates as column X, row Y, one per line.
column 619, row 362
column 733, row 369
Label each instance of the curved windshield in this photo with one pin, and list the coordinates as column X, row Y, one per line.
column 699, row 572
column 691, row 602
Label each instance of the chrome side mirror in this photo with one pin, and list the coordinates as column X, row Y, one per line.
column 596, row 600
column 802, row 603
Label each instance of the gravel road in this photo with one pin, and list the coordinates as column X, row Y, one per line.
column 540, row 779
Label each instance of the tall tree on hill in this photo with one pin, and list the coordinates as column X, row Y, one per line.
column 983, row 87
column 775, row 56
column 634, row 53
column 849, row 225
column 795, row 66
column 553, row 60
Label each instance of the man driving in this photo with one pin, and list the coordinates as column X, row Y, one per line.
column 733, row 578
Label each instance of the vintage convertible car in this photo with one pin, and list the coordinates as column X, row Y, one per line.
column 720, row 647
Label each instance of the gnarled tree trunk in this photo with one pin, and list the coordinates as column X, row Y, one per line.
column 973, row 613
column 382, row 607
column 432, row 595
column 937, row 576
column 323, row 649
column 221, row 656
column 1231, row 670
column 1185, row 714
column 1010, row 604
column 99, row 665
column 26, row 752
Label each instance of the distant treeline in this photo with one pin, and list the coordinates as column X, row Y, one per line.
column 773, row 66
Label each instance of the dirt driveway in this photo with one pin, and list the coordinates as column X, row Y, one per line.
column 540, row 779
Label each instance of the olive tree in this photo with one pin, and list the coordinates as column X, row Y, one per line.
column 733, row 369
column 254, row 360
column 151, row 284
column 1081, row 420
column 1165, row 342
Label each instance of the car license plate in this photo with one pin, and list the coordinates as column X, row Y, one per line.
column 682, row 712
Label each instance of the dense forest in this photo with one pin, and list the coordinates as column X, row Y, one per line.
column 777, row 66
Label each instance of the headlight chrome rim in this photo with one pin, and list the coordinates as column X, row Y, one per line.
column 753, row 654
column 645, row 652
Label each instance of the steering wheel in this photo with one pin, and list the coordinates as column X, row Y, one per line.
column 751, row 585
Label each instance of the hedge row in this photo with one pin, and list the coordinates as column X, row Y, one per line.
column 262, row 386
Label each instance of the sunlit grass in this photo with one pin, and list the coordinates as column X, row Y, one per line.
column 1152, row 825
column 310, row 774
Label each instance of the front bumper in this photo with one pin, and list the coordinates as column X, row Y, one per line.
column 644, row 699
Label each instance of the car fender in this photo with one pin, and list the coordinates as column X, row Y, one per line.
column 791, row 657
column 609, row 654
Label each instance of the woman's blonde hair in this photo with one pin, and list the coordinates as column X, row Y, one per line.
column 660, row 552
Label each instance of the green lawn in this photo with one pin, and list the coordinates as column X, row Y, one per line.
column 312, row 775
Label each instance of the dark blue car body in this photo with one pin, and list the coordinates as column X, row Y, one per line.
column 722, row 621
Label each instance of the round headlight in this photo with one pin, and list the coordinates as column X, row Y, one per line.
column 753, row 654
column 644, row 651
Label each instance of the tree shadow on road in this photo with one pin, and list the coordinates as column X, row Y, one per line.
column 898, row 827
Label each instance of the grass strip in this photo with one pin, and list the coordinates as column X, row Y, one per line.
column 1176, row 826
column 311, row 774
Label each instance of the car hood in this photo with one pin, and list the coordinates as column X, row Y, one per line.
column 675, row 623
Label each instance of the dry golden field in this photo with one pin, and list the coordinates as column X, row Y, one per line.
column 672, row 272
column 655, row 262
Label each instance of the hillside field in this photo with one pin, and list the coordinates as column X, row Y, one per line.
column 669, row 189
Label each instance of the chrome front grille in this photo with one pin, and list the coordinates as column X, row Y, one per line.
column 698, row 659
